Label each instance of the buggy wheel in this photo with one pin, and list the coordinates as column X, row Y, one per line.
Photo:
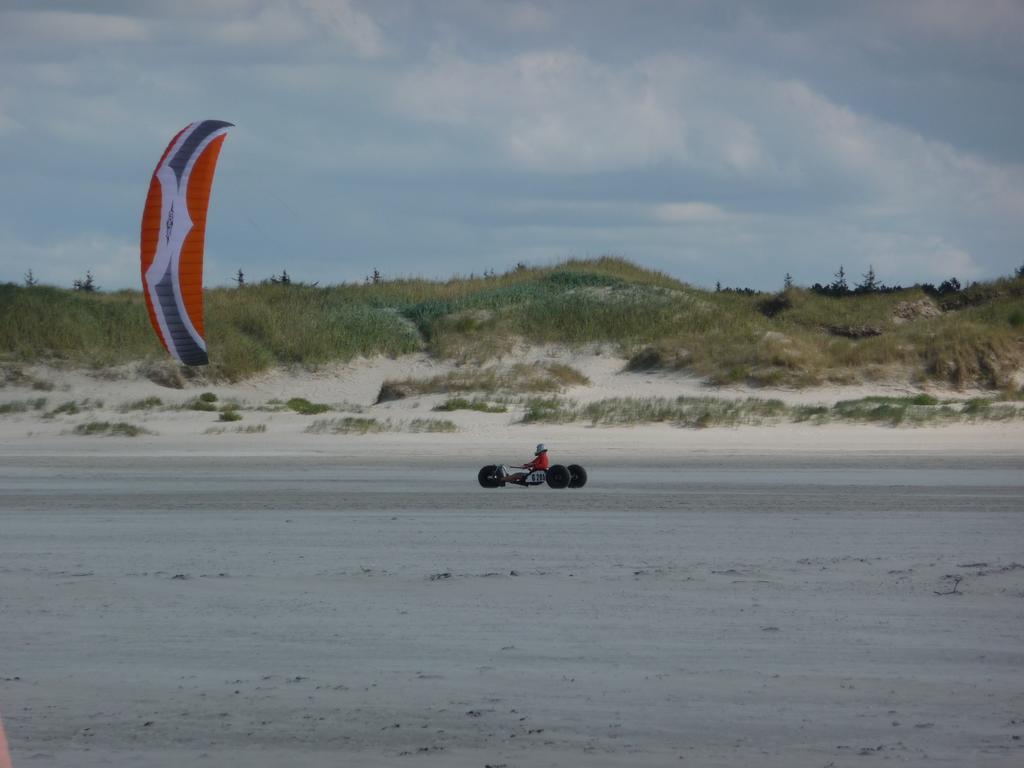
column 488, row 476
column 558, row 476
column 577, row 476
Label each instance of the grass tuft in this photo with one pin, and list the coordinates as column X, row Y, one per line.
column 699, row 412
column 432, row 425
column 347, row 425
column 305, row 407
column 476, row 404
column 21, row 406
column 110, row 429
column 145, row 404
column 544, row 377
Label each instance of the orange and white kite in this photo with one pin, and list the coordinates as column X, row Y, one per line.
column 5, row 756
column 173, row 233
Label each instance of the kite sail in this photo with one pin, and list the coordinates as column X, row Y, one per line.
column 173, row 232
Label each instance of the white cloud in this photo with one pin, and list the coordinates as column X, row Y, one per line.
column 901, row 171
column 270, row 25
column 7, row 123
column 347, row 24
column 958, row 20
column 113, row 262
column 302, row 21
column 46, row 27
column 559, row 111
column 548, row 111
column 674, row 213
column 911, row 257
column 524, row 16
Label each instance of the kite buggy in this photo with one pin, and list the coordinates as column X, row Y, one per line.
column 537, row 472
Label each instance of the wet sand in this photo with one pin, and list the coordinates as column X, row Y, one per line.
column 323, row 611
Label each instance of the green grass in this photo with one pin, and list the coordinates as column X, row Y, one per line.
column 699, row 412
column 796, row 338
column 305, row 407
column 681, row 411
column 347, row 425
column 431, row 425
column 894, row 410
column 73, row 408
column 476, row 404
column 549, row 410
column 230, row 414
column 357, row 425
column 514, row 379
column 248, row 429
column 146, row 404
column 109, row 429
column 22, row 406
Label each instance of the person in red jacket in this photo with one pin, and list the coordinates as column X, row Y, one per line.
column 540, row 461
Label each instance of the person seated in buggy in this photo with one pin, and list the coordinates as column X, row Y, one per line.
column 540, row 461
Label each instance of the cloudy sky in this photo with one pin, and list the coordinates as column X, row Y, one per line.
column 713, row 140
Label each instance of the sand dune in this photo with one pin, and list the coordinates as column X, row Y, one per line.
column 351, row 389
column 771, row 595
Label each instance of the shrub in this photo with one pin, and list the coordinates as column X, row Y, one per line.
column 347, row 425
column 20, row 406
column 108, row 429
column 71, row 408
column 462, row 404
column 305, row 407
column 548, row 410
column 145, row 404
column 432, row 425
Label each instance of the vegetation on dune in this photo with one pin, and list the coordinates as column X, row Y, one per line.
column 307, row 408
column 145, row 404
column 22, row 406
column 962, row 336
column 700, row 412
column 476, row 404
column 349, row 425
column 543, row 377
column 43, row 323
column 110, row 429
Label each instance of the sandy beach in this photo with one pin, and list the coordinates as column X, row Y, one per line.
column 771, row 595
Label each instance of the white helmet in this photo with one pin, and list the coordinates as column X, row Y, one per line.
column 541, row 448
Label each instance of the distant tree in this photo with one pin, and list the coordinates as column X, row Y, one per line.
column 839, row 285
column 87, row 284
column 376, row 277
column 240, row 278
column 949, row 286
column 1019, row 272
column 30, row 279
column 718, row 287
column 283, row 279
column 870, row 282
column 787, row 282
